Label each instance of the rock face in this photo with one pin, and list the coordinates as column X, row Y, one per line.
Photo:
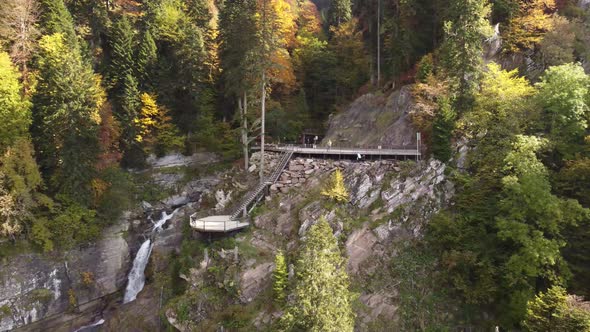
column 177, row 159
column 374, row 120
column 33, row 286
column 396, row 199
column 253, row 280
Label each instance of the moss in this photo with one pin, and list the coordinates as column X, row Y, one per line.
column 42, row 295
column 5, row 311
column 407, row 168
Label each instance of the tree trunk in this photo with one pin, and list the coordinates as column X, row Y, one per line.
column 263, row 111
column 244, row 111
column 378, row 43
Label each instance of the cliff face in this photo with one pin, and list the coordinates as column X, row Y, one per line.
column 71, row 288
column 375, row 119
column 34, row 286
column 389, row 204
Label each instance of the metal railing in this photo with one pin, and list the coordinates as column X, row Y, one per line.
column 253, row 196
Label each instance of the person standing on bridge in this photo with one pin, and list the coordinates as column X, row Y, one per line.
column 329, row 144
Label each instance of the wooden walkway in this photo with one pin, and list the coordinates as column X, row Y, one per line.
column 352, row 152
column 234, row 221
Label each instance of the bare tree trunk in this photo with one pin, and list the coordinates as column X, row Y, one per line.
column 378, row 43
column 244, row 111
column 263, row 111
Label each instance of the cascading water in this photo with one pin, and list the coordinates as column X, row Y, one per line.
column 136, row 278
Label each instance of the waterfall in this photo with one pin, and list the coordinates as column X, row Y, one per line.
column 163, row 219
column 136, row 278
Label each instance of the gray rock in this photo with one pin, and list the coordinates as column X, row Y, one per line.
column 254, row 280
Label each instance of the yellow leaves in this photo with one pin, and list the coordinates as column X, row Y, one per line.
column 148, row 117
column 336, row 189
column 527, row 28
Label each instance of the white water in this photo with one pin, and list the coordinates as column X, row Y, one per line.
column 136, row 278
column 99, row 322
column 163, row 219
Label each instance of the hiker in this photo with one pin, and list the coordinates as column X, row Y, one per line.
column 329, row 144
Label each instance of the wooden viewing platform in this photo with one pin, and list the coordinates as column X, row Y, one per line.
column 235, row 221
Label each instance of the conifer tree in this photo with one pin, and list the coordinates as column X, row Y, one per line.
column 55, row 18
column 147, row 58
column 323, row 301
column 280, row 278
column 66, row 117
column 20, row 181
column 128, row 111
column 340, row 12
column 122, row 59
column 463, row 44
column 442, row 130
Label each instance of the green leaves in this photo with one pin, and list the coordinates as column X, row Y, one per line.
column 564, row 93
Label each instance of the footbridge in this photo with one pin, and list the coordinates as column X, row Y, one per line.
column 238, row 218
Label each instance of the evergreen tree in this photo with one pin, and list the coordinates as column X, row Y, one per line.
column 128, row 111
column 442, row 131
column 55, row 18
column 280, row 278
column 15, row 113
column 122, row 59
column 147, row 58
column 340, row 11
column 463, row 45
column 66, row 117
column 323, row 301
column 20, row 182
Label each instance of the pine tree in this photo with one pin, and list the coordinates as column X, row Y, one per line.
column 20, row 182
column 442, row 130
column 147, row 58
column 340, row 12
column 463, row 44
column 66, row 118
column 323, row 301
column 122, row 59
column 15, row 113
column 128, row 110
column 280, row 278
column 55, row 18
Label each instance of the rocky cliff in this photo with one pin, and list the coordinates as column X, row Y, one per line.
column 389, row 204
column 375, row 119
column 64, row 286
